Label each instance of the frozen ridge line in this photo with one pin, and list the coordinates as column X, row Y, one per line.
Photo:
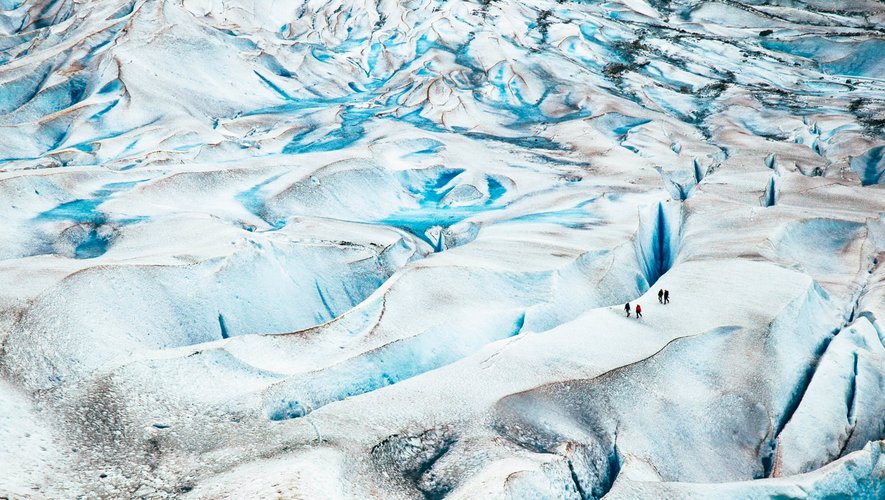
column 341, row 249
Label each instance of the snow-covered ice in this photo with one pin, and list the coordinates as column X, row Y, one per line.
column 381, row 249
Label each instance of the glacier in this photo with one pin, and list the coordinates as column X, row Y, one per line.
column 381, row 249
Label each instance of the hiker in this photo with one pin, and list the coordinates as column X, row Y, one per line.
column 666, row 296
column 627, row 309
column 661, row 295
column 638, row 311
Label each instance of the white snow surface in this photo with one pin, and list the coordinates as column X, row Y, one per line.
column 381, row 249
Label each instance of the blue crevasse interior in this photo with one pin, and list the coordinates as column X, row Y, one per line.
column 96, row 241
column 386, row 366
column 870, row 166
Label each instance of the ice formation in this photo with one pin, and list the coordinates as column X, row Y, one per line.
column 380, row 249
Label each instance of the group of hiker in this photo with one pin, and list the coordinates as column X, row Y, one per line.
column 663, row 298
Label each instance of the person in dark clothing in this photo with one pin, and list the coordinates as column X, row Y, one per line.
column 638, row 311
column 666, row 296
column 627, row 309
column 661, row 295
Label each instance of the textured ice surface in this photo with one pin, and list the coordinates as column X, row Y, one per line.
column 380, row 249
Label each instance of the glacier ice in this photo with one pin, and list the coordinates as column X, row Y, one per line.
column 353, row 248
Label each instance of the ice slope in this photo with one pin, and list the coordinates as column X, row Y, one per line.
column 257, row 248
column 32, row 453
